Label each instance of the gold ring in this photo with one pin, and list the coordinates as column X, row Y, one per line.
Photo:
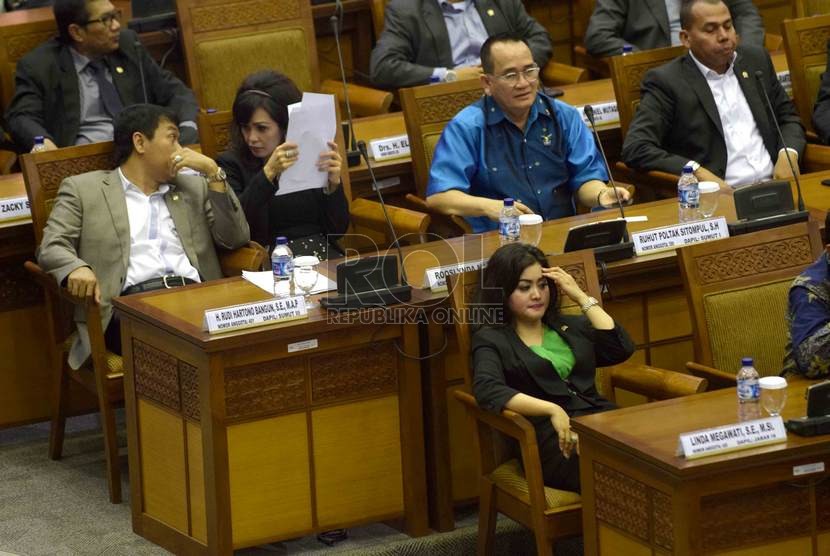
column 177, row 158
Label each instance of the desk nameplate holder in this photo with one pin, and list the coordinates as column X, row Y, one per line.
column 731, row 438
column 389, row 148
column 14, row 208
column 436, row 277
column 605, row 114
column 250, row 315
column 656, row 240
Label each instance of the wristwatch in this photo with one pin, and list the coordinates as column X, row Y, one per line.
column 220, row 175
column 590, row 302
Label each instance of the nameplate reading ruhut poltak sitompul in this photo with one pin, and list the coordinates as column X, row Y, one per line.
column 249, row 315
column 678, row 235
column 730, row 438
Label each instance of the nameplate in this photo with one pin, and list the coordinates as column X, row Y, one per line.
column 730, row 438
column 605, row 113
column 390, row 147
column 249, row 315
column 786, row 81
column 13, row 208
column 436, row 278
column 678, row 235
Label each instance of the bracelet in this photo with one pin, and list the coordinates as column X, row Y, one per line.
column 590, row 302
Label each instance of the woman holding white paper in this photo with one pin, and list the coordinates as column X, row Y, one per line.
column 312, row 219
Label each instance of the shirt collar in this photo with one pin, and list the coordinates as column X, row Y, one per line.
column 495, row 114
column 448, row 7
column 79, row 60
column 709, row 72
column 127, row 184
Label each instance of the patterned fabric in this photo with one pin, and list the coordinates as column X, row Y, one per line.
column 808, row 317
column 511, row 476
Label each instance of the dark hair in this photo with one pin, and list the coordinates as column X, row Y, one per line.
column 686, row 18
column 144, row 118
column 486, row 48
column 268, row 89
column 501, row 277
column 68, row 12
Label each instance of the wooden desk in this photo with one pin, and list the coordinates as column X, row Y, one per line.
column 639, row 498
column 244, row 438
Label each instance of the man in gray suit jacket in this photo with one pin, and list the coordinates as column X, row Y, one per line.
column 645, row 24
column 439, row 40
column 142, row 226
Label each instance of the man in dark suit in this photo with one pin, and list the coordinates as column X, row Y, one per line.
column 439, row 40
column 70, row 89
column 706, row 108
column 647, row 24
column 821, row 113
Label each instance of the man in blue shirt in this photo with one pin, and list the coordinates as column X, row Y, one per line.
column 515, row 142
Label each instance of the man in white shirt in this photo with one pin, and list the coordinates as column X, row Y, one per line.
column 707, row 108
column 141, row 226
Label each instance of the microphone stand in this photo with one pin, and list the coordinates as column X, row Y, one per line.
column 589, row 113
column 352, row 154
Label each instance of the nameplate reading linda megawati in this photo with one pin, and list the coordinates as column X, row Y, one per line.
column 436, row 277
column 678, row 235
column 249, row 315
column 388, row 148
column 730, row 438
column 14, row 208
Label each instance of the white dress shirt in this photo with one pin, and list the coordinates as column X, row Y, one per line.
column 155, row 247
column 747, row 158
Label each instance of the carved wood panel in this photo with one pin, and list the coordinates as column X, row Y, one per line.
column 823, row 504
column 814, row 41
column 662, row 524
column 156, row 375
column 20, row 45
column 443, row 108
column 755, row 259
column 189, row 383
column 241, row 14
column 621, row 501
column 265, row 388
column 53, row 173
column 367, row 371
column 578, row 273
column 17, row 288
column 728, row 519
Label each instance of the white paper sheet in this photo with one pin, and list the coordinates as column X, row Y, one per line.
column 265, row 280
column 311, row 125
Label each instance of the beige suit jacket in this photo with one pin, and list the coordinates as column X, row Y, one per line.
column 88, row 226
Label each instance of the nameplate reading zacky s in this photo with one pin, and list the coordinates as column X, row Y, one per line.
column 248, row 315
column 678, row 235
column 388, row 148
column 436, row 277
column 729, row 438
column 14, row 208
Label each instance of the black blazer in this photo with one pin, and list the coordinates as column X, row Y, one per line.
column 677, row 119
column 47, row 101
column 821, row 114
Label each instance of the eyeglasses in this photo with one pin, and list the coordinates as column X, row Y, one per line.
column 107, row 18
column 531, row 75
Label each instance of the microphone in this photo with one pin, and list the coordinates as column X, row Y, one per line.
column 352, row 154
column 138, row 47
column 759, row 76
column 589, row 113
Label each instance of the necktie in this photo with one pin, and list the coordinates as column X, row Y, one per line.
column 109, row 94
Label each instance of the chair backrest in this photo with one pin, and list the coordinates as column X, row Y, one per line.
column 378, row 16
column 224, row 43
column 805, row 41
column 737, row 291
column 214, row 131
column 805, row 8
column 426, row 110
column 43, row 173
column 627, row 73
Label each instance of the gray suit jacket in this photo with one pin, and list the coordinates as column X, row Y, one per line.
column 644, row 24
column 415, row 41
column 89, row 226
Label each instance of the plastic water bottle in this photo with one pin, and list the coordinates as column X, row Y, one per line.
column 282, row 263
column 627, row 49
column 747, row 378
column 688, row 195
column 39, row 144
column 509, row 227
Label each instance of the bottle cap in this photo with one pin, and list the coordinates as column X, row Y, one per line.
column 282, row 240
column 39, row 139
column 627, row 48
column 687, row 170
column 508, row 202
column 746, row 361
column 772, row 382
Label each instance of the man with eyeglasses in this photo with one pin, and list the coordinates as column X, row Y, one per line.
column 70, row 89
column 515, row 142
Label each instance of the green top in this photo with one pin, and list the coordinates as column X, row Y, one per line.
column 557, row 351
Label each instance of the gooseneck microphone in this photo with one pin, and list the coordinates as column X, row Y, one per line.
column 589, row 113
column 759, row 78
column 138, row 48
column 352, row 154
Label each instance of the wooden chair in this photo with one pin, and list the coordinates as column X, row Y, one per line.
column 102, row 375
column 224, row 43
column 805, row 41
column 366, row 215
column 737, row 291
column 550, row 513
column 805, row 8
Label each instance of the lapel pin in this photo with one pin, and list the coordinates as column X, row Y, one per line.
column 119, row 69
column 490, row 12
column 175, row 196
column 564, row 327
column 745, row 75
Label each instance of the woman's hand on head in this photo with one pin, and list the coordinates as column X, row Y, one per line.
column 562, row 425
column 331, row 162
column 566, row 283
column 283, row 158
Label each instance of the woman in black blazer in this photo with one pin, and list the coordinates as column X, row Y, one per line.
column 539, row 362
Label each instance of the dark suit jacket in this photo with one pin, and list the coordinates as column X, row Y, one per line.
column 677, row 119
column 644, row 24
column 821, row 114
column 415, row 41
column 47, row 101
